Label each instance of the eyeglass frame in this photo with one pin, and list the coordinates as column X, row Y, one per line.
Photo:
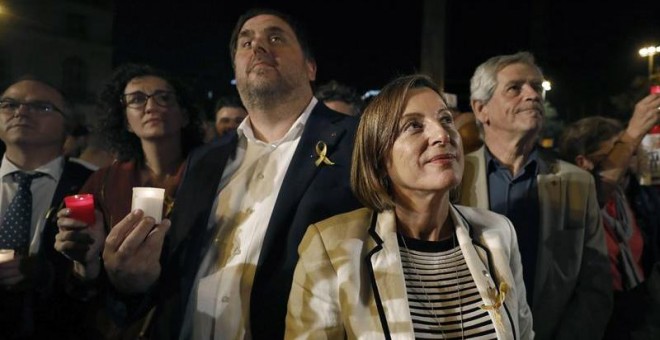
column 31, row 106
column 122, row 98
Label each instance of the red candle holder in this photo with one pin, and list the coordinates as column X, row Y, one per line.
column 81, row 207
column 655, row 89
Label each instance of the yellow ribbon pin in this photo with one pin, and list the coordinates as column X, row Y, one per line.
column 321, row 151
column 499, row 301
column 169, row 205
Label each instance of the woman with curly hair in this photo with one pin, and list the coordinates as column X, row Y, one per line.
column 151, row 123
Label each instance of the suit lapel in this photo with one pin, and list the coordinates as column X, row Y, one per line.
column 477, row 258
column 301, row 171
column 549, row 188
column 386, row 276
column 475, row 173
column 72, row 179
column 52, row 264
column 197, row 194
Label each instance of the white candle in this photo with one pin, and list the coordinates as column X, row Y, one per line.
column 6, row 255
column 150, row 200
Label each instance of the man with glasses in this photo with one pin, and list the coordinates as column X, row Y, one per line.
column 35, row 177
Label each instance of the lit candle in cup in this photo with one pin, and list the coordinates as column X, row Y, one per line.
column 6, row 255
column 150, row 200
column 81, row 207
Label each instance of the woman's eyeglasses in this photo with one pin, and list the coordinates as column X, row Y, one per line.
column 138, row 100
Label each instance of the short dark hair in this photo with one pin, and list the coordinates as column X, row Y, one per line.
column 31, row 77
column 376, row 133
column 228, row 101
column 296, row 26
column 335, row 91
column 112, row 113
column 585, row 136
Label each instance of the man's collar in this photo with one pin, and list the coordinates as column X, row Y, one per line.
column 493, row 163
column 245, row 131
column 52, row 169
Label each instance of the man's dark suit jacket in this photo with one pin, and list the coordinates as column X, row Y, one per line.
column 43, row 294
column 308, row 194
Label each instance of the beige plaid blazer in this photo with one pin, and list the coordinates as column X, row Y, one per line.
column 349, row 282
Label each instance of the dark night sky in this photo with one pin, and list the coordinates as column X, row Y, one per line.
column 587, row 49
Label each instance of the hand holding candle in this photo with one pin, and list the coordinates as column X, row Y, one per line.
column 6, row 255
column 81, row 207
column 150, row 200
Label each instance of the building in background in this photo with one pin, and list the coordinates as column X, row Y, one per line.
column 66, row 42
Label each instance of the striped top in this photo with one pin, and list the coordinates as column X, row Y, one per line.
column 441, row 291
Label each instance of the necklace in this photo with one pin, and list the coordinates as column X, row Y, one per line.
column 428, row 299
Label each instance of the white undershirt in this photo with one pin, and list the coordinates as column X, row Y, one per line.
column 247, row 194
column 43, row 189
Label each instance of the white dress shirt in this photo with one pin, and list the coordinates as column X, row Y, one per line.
column 246, row 197
column 43, row 189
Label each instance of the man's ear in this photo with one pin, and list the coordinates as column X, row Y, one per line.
column 480, row 111
column 311, row 69
column 583, row 162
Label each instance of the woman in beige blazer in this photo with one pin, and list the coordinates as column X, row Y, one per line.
column 410, row 264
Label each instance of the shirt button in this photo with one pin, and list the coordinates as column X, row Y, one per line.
column 237, row 251
column 260, row 176
column 225, row 299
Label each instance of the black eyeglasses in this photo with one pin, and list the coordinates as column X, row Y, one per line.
column 10, row 106
column 138, row 100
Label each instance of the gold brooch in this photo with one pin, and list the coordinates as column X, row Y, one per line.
column 321, row 151
column 169, row 205
column 499, row 298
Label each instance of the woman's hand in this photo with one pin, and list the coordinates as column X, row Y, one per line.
column 132, row 252
column 81, row 243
